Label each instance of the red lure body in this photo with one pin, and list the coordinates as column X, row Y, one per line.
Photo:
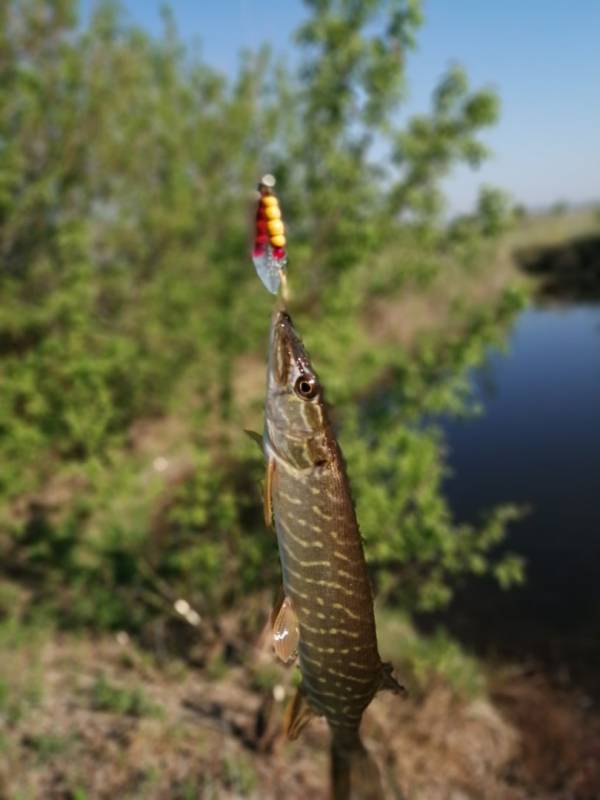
column 269, row 228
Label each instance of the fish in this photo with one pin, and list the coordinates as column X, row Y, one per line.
column 325, row 614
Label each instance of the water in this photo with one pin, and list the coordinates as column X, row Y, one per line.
column 537, row 443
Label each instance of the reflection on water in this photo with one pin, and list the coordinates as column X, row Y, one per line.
column 537, row 443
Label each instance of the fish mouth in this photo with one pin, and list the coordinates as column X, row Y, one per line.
column 287, row 351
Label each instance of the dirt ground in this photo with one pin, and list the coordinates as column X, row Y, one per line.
column 103, row 719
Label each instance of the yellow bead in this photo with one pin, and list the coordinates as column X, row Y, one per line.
column 275, row 227
column 273, row 212
column 269, row 200
column 278, row 241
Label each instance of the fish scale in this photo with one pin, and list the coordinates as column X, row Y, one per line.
column 327, row 611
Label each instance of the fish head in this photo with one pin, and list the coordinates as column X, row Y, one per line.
column 296, row 422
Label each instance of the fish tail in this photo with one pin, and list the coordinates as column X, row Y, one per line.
column 354, row 772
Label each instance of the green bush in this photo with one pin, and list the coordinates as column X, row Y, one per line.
column 127, row 299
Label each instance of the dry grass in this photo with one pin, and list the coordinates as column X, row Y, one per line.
column 560, row 736
column 553, row 229
column 423, row 309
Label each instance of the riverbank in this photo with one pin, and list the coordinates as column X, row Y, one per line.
column 103, row 718
column 561, row 256
column 537, row 246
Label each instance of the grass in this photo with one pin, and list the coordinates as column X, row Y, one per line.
column 216, row 668
column 553, row 228
column 47, row 746
column 21, row 679
column 239, row 774
column 424, row 660
column 265, row 677
column 130, row 701
column 471, row 280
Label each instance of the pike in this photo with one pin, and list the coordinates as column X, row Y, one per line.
column 325, row 616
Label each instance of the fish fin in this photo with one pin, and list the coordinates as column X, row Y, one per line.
column 256, row 437
column 277, row 603
column 267, row 486
column 285, row 631
column 297, row 715
column 267, row 492
column 388, row 682
column 354, row 771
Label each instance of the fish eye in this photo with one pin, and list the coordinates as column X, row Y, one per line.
column 306, row 386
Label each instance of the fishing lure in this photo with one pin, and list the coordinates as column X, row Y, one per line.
column 269, row 254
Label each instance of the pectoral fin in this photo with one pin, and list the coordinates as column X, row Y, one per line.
column 297, row 715
column 286, row 633
column 268, row 484
column 279, row 597
column 267, row 492
column 256, row 437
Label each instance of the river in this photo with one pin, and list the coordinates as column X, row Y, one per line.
column 536, row 443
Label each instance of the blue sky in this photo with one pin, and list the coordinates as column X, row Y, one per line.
column 542, row 56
